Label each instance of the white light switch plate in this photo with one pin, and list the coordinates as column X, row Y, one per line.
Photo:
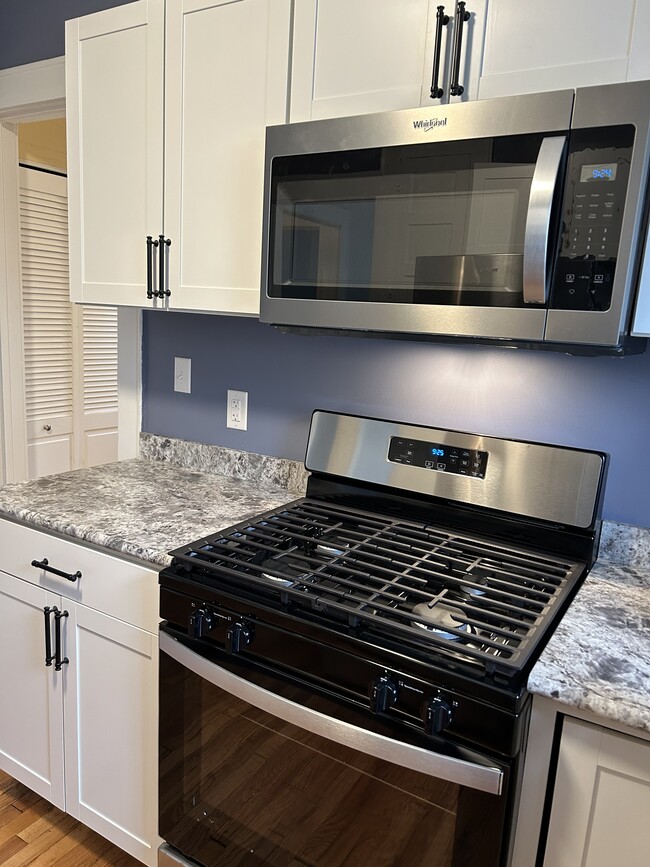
column 183, row 375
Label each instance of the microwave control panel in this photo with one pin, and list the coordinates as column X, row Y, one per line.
column 438, row 457
column 592, row 212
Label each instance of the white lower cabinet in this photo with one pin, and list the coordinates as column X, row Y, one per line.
column 85, row 737
column 601, row 799
column 31, row 710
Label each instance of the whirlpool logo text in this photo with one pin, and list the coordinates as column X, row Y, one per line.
column 430, row 123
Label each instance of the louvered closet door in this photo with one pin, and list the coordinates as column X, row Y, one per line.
column 98, row 415
column 47, row 323
column 70, row 353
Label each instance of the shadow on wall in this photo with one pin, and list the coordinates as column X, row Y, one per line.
column 592, row 403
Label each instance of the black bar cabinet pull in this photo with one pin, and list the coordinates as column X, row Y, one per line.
column 58, row 662
column 44, row 564
column 164, row 242
column 441, row 21
column 455, row 88
column 49, row 656
column 150, row 245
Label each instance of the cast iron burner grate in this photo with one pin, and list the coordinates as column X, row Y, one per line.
column 480, row 601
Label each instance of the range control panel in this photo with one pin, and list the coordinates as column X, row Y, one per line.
column 592, row 214
column 438, row 457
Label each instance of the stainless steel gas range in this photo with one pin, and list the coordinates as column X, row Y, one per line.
column 343, row 679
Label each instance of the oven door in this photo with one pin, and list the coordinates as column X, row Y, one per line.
column 256, row 768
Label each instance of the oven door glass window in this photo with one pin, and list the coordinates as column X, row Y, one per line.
column 240, row 786
column 431, row 224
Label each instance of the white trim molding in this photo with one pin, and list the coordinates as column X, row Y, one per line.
column 33, row 91
column 13, row 440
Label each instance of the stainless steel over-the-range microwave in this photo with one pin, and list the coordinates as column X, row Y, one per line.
column 518, row 220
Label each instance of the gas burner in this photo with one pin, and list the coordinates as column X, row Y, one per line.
column 474, row 590
column 283, row 572
column 440, row 617
column 333, row 547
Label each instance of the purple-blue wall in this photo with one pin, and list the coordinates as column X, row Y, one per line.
column 32, row 30
column 598, row 403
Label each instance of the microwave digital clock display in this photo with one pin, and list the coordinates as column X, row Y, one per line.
column 600, row 172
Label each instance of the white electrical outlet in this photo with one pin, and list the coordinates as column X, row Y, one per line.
column 237, row 410
column 183, row 375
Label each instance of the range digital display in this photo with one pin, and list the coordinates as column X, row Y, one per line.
column 438, row 457
column 598, row 172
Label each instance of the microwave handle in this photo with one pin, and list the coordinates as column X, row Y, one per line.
column 538, row 220
column 482, row 776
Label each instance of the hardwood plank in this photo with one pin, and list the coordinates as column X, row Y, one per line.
column 60, row 825
column 8, row 849
column 23, row 820
column 17, row 795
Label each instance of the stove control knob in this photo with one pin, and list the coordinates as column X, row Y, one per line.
column 383, row 694
column 201, row 621
column 239, row 635
column 438, row 715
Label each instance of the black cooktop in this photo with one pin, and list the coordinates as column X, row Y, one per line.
column 430, row 588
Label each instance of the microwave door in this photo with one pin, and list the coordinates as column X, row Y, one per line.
column 442, row 235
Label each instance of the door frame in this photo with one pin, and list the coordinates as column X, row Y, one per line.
column 36, row 91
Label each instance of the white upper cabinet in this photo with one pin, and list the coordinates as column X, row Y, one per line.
column 360, row 56
column 558, row 44
column 227, row 79
column 220, row 67
column 114, row 108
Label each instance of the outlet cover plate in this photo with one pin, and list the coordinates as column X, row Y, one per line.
column 237, row 410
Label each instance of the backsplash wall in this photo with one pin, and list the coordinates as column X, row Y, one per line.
column 594, row 403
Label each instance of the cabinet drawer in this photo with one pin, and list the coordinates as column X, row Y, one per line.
column 109, row 584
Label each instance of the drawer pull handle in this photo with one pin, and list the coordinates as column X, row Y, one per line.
column 162, row 292
column 47, row 427
column 58, row 662
column 442, row 20
column 44, row 564
column 49, row 656
column 462, row 15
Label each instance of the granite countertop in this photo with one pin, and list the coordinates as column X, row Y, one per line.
column 598, row 658
column 142, row 508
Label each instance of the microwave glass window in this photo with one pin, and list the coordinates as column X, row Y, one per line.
column 425, row 224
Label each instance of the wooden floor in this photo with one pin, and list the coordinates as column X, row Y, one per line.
column 34, row 832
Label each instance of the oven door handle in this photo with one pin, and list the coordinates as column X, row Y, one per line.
column 538, row 219
column 481, row 775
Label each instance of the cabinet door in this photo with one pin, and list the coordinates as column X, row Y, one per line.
column 360, row 56
column 639, row 66
column 114, row 105
column 111, row 730
column 227, row 78
column 31, row 709
column 553, row 45
column 602, row 800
